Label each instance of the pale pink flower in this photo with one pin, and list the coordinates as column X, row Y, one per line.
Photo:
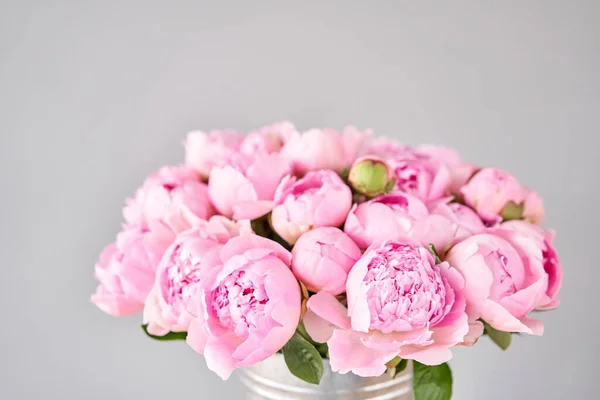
column 389, row 216
column 422, row 177
column 268, row 139
column 400, row 303
column 325, row 149
column 544, row 241
column 504, row 278
column 247, row 308
column 320, row 198
column 321, row 259
column 245, row 188
column 180, row 270
column 126, row 271
column 170, row 201
column 203, row 150
column 390, row 149
column 490, row 190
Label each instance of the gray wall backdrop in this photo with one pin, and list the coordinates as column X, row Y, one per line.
column 95, row 95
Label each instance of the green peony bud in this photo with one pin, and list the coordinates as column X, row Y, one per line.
column 370, row 176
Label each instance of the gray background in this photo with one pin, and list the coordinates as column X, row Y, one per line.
column 95, row 95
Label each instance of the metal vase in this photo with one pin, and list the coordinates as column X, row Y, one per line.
column 271, row 380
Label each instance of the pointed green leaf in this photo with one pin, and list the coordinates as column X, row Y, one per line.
column 303, row 359
column 168, row 336
column 502, row 339
column 433, row 251
column 432, row 382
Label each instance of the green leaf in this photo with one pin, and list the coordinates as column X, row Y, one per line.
column 344, row 174
column 433, row 251
column 512, row 211
column 168, row 336
column 401, row 366
column 502, row 339
column 303, row 359
column 432, row 382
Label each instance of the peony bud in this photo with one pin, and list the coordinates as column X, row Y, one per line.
column 370, row 176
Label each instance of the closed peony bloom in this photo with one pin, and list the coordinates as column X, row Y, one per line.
column 180, row 270
column 244, row 188
column 322, row 258
column 170, row 201
column 504, row 278
column 247, row 308
column 325, row 149
column 126, row 271
column 320, row 198
column 544, row 241
column 422, row 177
column 203, row 150
column 497, row 195
column 269, row 139
column 389, row 216
column 448, row 224
column 390, row 149
column 400, row 303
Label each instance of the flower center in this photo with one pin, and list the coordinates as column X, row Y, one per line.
column 405, row 291
column 239, row 303
column 407, row 177
column 504, row 284
column 182, row 273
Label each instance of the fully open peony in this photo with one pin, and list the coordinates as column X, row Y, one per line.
column 400, row 303
column 247, row 308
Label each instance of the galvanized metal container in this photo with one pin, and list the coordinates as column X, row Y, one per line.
column 271, row 380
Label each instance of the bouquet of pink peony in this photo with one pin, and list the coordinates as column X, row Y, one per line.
column 326, row 244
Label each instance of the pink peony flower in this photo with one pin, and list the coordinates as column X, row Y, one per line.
column 504, row 276
column 180, row 270
column 322, row 258
column 422, row 177
column 244, row 189
column 390, row 149
column 440, row 155
column 171, row 200
column 447, row 225
column 389, row 216
column 399, row 304
column 325, row 149
column 203, row 151
column 320, row 198
column 269, row 139
column 126, row 271
column 490, row 190
column 247, row 308
column 543, row 241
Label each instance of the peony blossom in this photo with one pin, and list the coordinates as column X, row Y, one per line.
column 390, row 149
column 422, row 177
column 325, row 149
column 170, row 201
column 180, row 270
column 247, row 308
column 269, row 139
column 126, row 271
column 389, row 216
column 322, row 258
column 400, row 303
column 544, row 242
column 505, row 278
column 245, row 188
column 320, row 198
column 491, row 190
column 203, row 151
column 448, row 224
